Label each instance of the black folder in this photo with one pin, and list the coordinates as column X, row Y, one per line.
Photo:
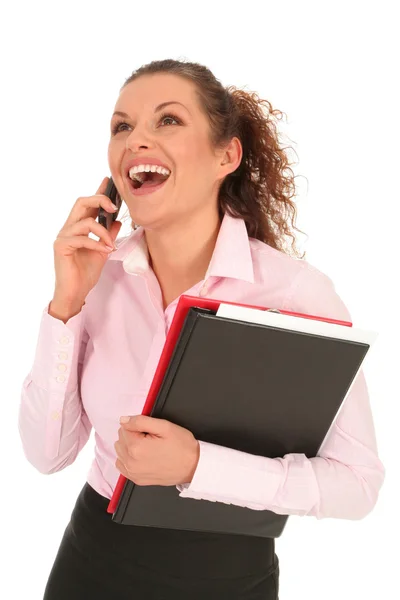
column 257, row 388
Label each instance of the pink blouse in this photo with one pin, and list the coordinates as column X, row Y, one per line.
column 100, row 364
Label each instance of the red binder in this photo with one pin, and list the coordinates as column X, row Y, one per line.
column 185, row 302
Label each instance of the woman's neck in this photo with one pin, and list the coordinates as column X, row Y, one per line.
column 180, row 259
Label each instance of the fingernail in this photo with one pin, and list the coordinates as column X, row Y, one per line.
column 124, row 419
column 114, row 207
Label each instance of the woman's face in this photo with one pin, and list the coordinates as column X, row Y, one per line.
column 180, row 141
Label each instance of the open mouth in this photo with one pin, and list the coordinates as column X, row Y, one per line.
column 148, row 179
column 150, row 183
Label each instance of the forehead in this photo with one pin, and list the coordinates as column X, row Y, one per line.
column 148, row 91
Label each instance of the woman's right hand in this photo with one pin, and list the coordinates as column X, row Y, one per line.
column 78, row 259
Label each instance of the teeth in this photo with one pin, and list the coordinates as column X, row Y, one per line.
column 133, row 171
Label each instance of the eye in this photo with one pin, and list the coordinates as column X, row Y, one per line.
column 163, row 116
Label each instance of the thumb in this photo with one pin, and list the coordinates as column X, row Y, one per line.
column 144, row 424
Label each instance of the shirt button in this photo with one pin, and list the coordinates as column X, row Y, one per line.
column 203, row 290
column 55, row 415
column 63, row 356
column 60, row 378
column 62, row 367
column 64, row 340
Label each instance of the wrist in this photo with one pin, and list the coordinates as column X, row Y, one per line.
column 195, row 462
column 64, row 310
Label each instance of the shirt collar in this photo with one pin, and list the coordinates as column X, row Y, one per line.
column 231, row 256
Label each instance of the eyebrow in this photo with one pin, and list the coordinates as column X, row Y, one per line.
column 158, row 108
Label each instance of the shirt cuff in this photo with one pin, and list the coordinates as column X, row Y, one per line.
column 61, row 343
column 234, row 477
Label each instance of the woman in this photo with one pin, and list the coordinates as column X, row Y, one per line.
column 215, row 227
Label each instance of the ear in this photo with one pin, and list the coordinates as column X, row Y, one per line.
column 232, row 156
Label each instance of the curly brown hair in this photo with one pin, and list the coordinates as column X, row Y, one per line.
column 260, row 189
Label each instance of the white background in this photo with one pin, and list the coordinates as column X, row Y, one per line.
column 331, row 68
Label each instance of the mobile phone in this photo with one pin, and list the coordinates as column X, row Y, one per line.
column 106, row 218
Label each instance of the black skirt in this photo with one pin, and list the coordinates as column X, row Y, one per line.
column 100, row 559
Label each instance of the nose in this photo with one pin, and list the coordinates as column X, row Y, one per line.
column 138, row 138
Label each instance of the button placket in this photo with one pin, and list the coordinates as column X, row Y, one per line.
column 64, row 341
column 57, row 393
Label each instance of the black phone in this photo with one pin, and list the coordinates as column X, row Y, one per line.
column 106, row 218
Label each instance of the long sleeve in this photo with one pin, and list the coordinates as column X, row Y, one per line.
column 342, row 481
column 52, row 423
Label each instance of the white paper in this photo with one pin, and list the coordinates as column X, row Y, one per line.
column 254, row 315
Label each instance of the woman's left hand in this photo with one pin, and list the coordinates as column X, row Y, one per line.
column 156, row 452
